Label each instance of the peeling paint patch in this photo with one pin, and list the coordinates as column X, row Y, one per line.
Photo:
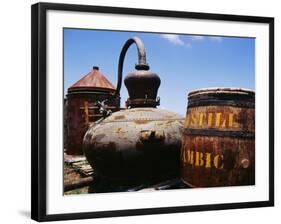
column 98, row 137
column 141, row 121
column 119, row 117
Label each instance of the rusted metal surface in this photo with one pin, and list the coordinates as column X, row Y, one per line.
column 142, row 88
column 92, row 81
column 135, row 145
column 75, row 180
column 236, row 97
column 142, row 65
column 142, row 84
column 218, row 144
column 138, row 145
column 82, row 107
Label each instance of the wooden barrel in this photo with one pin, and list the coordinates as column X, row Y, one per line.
column 218, row 143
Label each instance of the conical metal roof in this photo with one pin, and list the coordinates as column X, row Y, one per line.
column 94, row 80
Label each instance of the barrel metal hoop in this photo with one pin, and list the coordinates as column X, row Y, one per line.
column 220, row 133
column 144, row 119
column 244, row 104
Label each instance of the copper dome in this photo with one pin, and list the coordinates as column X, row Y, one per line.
column 94, row 80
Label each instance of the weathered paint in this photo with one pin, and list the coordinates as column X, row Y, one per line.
column 145, row 141
column 146, row 145
column 92, row 81
column 218, row 144
column 82, row 108
column 222, row 117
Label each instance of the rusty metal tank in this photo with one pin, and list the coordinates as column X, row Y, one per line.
column 81, row 107
column 140, row 144
column 218, row 144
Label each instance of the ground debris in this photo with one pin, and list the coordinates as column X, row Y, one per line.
column 79, row 164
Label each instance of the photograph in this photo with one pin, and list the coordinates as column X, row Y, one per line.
column 152, row 111
column 147, row 111
column 139, row 112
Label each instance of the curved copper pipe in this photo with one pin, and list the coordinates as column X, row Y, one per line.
column 142, row 65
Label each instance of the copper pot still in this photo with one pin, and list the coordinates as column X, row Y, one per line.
column 140, row 144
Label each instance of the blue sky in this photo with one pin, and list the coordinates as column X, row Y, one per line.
column 183, row 62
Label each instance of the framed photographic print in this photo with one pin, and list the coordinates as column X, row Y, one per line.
column 140, row 111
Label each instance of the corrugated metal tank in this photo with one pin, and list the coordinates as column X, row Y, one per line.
column 82, row 109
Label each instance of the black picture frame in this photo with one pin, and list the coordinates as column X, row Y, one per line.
column 39, row 122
